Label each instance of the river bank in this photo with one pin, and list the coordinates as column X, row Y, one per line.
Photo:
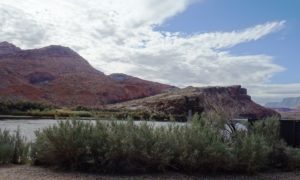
column 28, row 126
column 24, row 117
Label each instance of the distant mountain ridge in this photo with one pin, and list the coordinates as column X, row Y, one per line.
column 285, row 103
column 58, row 75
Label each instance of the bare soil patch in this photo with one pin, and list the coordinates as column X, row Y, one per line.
column 26, row 172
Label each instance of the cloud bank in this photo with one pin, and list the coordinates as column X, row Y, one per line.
column 119, row 36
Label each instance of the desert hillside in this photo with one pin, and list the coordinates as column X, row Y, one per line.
column 58, row 75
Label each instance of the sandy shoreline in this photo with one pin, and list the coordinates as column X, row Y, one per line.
column 26, row 172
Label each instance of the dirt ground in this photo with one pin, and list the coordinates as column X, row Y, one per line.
column 26, row 172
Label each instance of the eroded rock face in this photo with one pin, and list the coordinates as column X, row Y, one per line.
column 233, row 100
column 58, row 75
column 37, row 78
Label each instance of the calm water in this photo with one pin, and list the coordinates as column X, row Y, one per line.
column 28, row 127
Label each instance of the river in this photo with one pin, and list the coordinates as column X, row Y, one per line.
column 28, row 127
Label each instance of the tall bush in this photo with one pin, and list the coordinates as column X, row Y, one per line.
column 199, row 146
column 13, row 148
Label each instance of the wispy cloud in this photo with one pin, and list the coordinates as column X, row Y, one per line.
column 119, row 36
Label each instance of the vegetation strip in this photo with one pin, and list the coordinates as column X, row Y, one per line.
column 205, row 145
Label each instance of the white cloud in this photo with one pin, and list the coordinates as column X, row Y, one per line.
column 119, row 36
column 263, row 93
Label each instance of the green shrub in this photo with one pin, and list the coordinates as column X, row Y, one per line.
column 251, row 152
column 129, row 148
column 12, row 107
column 13, row 148
column 59, row 113
column 126, row 147
column 199, row 146
column 6, row 147
column 81, row 108
column 293, row 162
column 278, row 156
column 268, row 128
column 64, row 145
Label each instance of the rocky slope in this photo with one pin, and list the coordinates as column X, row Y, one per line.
column 141, row 87
column 285, row 103
column 232, row 101
column 58, row 75
column 288, row 113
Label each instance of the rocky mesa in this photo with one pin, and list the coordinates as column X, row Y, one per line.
column 232, row 100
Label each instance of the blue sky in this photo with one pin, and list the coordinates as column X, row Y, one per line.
column 253, row 43
column 228, row 15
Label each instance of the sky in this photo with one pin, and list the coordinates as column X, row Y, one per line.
column 254, row 43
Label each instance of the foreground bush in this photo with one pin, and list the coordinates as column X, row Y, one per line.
column 13, row 148
column 197, row 147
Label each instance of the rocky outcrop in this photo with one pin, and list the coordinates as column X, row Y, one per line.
column 232, row 100
column 8, row 48
column 60, row 76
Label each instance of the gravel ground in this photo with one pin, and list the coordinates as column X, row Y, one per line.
column 27, row 172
